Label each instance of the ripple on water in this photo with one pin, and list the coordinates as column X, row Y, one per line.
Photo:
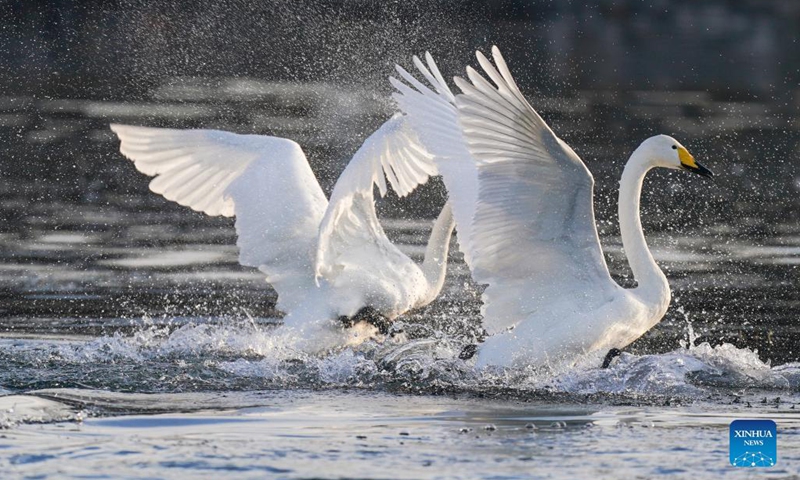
column 236, row 399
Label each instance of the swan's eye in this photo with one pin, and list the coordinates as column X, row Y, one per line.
column 674, row 147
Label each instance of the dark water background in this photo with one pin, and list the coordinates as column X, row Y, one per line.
column 114, row 301
column 87, row 249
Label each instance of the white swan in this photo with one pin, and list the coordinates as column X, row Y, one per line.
column 326, row 260
column 549, row 298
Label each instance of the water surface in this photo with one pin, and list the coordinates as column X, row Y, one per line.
column 133, row 345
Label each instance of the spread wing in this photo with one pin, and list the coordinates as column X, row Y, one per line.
column 265, row 182
column 434, row 116
column 350, row 234
column 534, row 239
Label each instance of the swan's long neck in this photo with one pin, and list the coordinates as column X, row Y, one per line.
column 652, row 287
column 434, row 267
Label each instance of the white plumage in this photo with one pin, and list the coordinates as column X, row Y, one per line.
column 435, row 117
column 325, row 260
column 549, row 297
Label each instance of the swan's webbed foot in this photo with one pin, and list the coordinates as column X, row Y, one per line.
column 610, row 356
column 468, row 351
column 369, row 315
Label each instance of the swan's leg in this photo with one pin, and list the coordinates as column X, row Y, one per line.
column 468, row 351
column 613, row 353
column 471, row 349
column 371, row 316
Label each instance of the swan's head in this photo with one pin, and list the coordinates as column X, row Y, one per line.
column 665, row 151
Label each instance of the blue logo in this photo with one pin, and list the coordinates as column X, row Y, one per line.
column 754, row 443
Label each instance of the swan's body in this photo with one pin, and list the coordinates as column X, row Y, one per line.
column 326, row 260
column 533, row 241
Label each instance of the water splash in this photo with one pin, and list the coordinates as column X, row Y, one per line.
column 691, row 336
column 241, row 356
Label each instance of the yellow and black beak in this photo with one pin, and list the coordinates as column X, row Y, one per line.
column 689, row 163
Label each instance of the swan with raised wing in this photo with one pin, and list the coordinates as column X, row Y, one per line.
column 549, row 297
column 330, row 262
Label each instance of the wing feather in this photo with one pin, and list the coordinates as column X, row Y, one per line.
column 350, row 233
column 265, row 182
column 533, row 236
column 432, row 113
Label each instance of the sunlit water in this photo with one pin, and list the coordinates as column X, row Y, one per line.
column 246, row 410
column 132, row 344
column 168, row 396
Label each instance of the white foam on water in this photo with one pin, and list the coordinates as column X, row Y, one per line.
column 683, row 372
column 189, row 340
column 242, row 354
